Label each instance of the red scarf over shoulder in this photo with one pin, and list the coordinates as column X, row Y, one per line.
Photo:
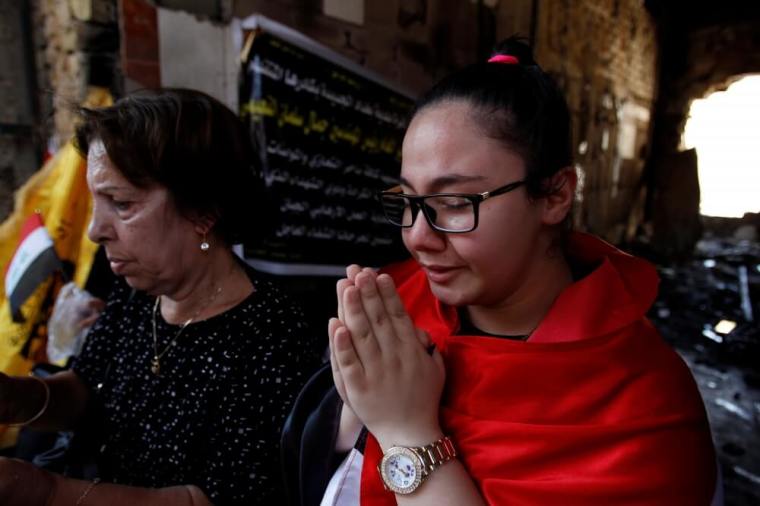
column 593, row 409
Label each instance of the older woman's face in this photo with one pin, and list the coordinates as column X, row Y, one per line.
column 147, row 240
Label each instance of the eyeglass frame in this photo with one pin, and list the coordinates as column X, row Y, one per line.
column 417, row 203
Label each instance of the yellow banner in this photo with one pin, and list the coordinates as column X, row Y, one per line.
column 59, row 192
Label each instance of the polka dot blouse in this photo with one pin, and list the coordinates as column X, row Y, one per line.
column 213, row 417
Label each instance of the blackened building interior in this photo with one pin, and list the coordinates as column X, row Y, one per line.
column 631, row 70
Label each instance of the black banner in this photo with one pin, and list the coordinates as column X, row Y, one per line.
column 329, row 139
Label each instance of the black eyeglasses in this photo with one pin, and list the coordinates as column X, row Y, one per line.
column 453, row 213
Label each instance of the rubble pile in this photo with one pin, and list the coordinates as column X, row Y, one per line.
column 708, row 309
column 720, row 284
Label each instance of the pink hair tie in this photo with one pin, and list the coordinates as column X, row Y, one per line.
column 504, row 58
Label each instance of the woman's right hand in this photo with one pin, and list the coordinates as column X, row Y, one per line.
column 24, row 398
column 336, row 323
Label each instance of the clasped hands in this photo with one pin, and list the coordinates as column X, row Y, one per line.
column 381, row 365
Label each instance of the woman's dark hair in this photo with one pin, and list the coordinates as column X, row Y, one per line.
column 517, row 103
column 190, row 143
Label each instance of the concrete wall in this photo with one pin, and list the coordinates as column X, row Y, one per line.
column 199, row 54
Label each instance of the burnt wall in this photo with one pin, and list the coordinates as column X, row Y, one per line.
column 410, row 42
column 19, row 127
column 698, row 57
column 602, row 52
column 604, row 55
column 52, row 51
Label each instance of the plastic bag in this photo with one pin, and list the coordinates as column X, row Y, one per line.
column 66, row 332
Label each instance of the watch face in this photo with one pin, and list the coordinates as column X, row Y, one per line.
column 401, row 470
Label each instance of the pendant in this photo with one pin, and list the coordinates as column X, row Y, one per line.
column 155, row 366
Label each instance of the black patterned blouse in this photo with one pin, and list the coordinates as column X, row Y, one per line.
column 213, row 417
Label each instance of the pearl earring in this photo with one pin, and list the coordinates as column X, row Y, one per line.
column 204, row 244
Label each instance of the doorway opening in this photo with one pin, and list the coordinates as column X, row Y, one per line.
column 724, row 128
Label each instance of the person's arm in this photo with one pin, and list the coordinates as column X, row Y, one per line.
column 23, row 398
column 68, row 492
column 448, row 485
column 393, row 385
column 349, row 429
column 23, row 484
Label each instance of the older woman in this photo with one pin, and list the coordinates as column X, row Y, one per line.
column 189, row 372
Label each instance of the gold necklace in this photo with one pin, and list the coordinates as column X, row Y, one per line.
column 155, row 364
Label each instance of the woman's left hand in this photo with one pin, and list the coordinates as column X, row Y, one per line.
column 23, row 484
column 392, row 383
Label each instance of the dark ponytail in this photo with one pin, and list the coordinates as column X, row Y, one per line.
column 518, row 103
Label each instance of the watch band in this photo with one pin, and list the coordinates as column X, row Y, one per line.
column 404, row 468
column 435, row 454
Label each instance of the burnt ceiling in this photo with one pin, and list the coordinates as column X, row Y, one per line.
column 693, row 15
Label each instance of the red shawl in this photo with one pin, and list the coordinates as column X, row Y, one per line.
column 593, row 409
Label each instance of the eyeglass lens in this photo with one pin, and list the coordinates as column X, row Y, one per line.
column 444, row 212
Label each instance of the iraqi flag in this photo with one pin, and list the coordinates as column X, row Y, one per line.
column 34, row 260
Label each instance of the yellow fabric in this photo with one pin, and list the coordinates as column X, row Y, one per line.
column 59, row 192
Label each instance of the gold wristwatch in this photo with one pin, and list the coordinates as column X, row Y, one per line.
column 403, row 469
